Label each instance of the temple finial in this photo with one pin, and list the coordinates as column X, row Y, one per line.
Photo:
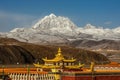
column 59, row 54
column 59, row 50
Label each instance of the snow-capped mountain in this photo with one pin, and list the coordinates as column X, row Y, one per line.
column 52, row 21
column 58, row 29
column 101, row 33
column 51, row 28
column 56, row 24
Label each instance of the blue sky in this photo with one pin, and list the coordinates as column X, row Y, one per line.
column 24, row 13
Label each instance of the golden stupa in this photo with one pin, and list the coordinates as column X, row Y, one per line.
column 59, row 62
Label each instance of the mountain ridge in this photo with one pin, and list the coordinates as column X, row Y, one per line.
column 54, row 25
column 54, row 29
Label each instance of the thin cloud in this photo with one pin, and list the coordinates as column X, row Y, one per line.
column 9, row 21
column 108, row 23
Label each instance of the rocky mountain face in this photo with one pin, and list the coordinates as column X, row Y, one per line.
column 14, row 52
column 96, row 45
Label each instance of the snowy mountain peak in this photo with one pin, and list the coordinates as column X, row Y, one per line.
column 53, row 22
column 52, row 15
column 17, row 30
column 89, row 26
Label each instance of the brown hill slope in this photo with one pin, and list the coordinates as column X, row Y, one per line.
column 81, row 55
column 12, row 54
column 14, row 51
column 92, row 44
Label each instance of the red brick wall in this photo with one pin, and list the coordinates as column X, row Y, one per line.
column 68, row 78
column 91, row 78
column 107, row 78
column 83, row 78
column 77, row 78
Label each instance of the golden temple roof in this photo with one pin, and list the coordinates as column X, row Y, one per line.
column 59, row 57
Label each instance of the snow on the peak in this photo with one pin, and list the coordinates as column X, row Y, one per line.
column 53, row 22
column 47, row 29
column 116, row 30
column 52, row 15
column 92, row 30
column 89, row 26
column 100, row 33
column 54, row 28
column 17, row 30
column 3, row 35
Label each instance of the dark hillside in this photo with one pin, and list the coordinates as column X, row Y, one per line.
column 12, row 54
column 13, row 51
column 81, row 55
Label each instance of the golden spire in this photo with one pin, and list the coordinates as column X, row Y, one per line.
column 59, row 54
column 59, row 51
